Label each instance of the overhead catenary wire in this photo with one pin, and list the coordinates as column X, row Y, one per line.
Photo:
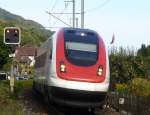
column 98, row 7
column 61, row 13
column 53, row 5
column 51, row 9
column 58, row 18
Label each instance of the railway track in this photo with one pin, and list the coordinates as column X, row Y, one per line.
column 35, row 105
column 53, row 110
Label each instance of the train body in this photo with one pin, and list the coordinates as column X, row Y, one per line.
column 72, row 68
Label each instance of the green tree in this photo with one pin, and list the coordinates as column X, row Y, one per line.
column 4, row 51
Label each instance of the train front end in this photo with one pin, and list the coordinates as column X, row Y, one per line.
column 81, row 69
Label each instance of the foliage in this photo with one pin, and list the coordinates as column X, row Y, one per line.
column 4, row 91
column 21, row 86
column 121, row 65
column 126, row 64
column 122, row 88
column 8, row 106
column 12, row 108
column 9, row 103
column 33, row 34
column 140, row 87
column 4, row 51
column 144, row 51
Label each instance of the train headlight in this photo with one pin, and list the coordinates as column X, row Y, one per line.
column 100, row 70
column 62, row 67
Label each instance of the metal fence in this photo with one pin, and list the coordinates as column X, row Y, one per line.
column 129, row 104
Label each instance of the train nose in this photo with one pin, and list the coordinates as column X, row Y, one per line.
column 83, row 74
column 77, row 98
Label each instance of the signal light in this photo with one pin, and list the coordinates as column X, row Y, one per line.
column 16, row 31
column 12, row 35
column 7, row 31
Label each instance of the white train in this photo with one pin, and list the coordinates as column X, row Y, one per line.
column 72, row 68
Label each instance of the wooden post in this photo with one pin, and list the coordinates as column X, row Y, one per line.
column 12, row 80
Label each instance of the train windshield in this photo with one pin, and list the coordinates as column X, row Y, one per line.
column 81, row 50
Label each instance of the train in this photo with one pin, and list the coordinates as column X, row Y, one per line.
column 72, row 68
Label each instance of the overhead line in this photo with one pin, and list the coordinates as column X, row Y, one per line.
column 100, row 6
column 54, row 5
column 60, row 14
column 63, row 13
column 58, row 18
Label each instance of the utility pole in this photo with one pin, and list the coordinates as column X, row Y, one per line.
column 76, row 22
column 73, row 16
column 73, row 12
column 82, row 13
column 74, row 19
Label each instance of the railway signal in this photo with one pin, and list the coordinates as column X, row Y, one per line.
column 12, row 35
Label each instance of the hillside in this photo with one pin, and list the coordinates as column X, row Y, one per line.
column 33, row 33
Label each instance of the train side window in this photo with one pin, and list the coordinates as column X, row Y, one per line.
column 51, row 49
column 50, row 55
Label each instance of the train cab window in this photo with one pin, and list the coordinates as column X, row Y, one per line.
column 81, row 48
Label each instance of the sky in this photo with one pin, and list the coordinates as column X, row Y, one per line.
column 129, row 20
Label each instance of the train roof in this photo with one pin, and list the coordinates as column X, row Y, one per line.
column 79, row 29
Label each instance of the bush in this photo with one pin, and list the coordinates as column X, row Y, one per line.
column 21, row 86
column 8, row 105
column 122, row 88
column 140, row 87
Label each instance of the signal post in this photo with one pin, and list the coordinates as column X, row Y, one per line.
column 12, row 37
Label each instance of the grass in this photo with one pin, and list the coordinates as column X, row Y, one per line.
column 9, row 103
